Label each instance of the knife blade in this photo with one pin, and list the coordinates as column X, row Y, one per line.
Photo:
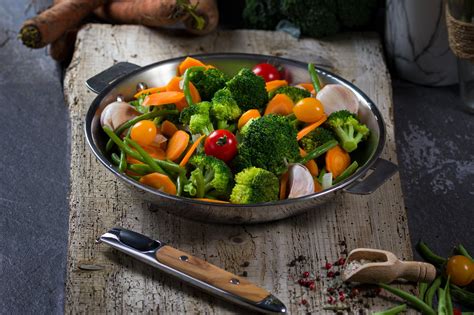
column 193, row 270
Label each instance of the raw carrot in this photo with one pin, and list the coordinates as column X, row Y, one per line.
column 173, row 85
column 151, row 91
column 163, row 98
column 177, row 145
column 283, row 185
column 317, row 186
column 307, row 86
column 160, row 182
column 303, row 132
column 212, row 200
column 337, row 160
column 272, row 85
column 311, row 164
column 206, row 10
column 190, row 152
column 280, row 104
column 188, row 63
column 168, row 129
column 251, row 113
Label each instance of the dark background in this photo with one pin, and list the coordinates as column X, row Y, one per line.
column 434, row 141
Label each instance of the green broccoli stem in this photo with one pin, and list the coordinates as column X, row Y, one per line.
column 148, row 159
column 392, row 311
column 186, row 79
column 200, row 185
column 318, row 151
column 415, row 301
column 348, row 143
column 314, row 77
column 347, row 172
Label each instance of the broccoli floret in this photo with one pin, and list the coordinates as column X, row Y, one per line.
column 356, row 13
column 296, row 94
column 315, row 138
column 348, row 129
column 262, row 14
column 224, row 108
column 316, row 18
column 208, row 82
column 268, row 142
column 211, row 177
column 248, row 90
column 254, row 185
column 197, row 118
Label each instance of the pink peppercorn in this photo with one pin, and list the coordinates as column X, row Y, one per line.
column 312, row 286
column 305, row 274
column 304, row 302
column 328, row 266
column 330, row 274
column 330, row 300
column 341, row 261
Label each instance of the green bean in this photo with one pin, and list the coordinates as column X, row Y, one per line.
column 449, row 302
column 347, row 172
column 186, row 79
column 428, row 254
column 415, row 301
column 314, row 77
column 319, row 151
column 148, row 159
column 431, row 291
column 321, row 174
column 172, row 167
column 122, row 146
column 137, row 178
column 141, row 169
column 154, row 113
column 463, row 251
column 392, row 311
column 462, row 295
column 422, row 287
column 115, row 159
column 180, row 182
column 123, row 162
column 442, row 302
column 157, row 120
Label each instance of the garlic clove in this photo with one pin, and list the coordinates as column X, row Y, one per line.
column 335, row 97
column 300, row 181
column 116, row 114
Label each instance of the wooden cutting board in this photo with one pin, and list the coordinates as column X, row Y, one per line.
column 101, row 280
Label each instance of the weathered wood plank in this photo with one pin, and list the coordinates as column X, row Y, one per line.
column 98, row 201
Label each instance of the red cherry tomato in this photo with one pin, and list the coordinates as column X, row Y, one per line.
column 221, row 144
column 266, row 71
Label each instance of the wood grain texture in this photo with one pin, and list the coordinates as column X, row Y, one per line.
column 98, row 201
column 206, row 272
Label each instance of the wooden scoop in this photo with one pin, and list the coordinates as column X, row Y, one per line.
column 385, row 268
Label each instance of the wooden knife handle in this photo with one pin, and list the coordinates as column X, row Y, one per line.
column 210, row 274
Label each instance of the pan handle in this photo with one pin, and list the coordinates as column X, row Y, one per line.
column 101, row 80
column 382, row 171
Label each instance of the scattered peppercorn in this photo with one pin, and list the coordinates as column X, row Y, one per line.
column 304, row 302
column 330, row 274
column 328, row 266
column 245, row 264
column 305, row 274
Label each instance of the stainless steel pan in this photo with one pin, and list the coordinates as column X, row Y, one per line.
column 121, row 80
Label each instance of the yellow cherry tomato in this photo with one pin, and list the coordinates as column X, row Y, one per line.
column 143, row 132
column 460, row 269
column 309, row 110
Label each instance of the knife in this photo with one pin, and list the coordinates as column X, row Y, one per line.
column 192, row 270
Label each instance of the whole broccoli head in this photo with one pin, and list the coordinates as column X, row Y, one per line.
column 268, row 142
column 248, row 90
column 356, row 13
column 254, row 185
column 224, row 108
column 208, row 82
column 262, row 14
column 197, row 117
column 316, row 18
column 315, row 138
column 296, row 94
column 347, row 128
column 211, row 177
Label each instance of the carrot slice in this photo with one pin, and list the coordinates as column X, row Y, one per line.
column 212, row 200
column 168, row 129
column 251, row 113
column 160, row 182
column 188, row 63
column 154, row 151
column 283, row 184
column 173, row 85
column 151, row 91
column 307, row 86
column 337, row 160
column 177, row 145
column 275, row 84
column 191, row 151
column 303, row 132
column 163, row 98
column 280, row 104
column 311, row 164
column 317, row 186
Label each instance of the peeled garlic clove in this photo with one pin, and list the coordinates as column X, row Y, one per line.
column 117, row 113
column 335, row 97
column 300, row 181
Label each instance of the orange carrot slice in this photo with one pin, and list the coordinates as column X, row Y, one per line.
column 275, row 84
column 151, row 91
column 337, row 160
column 317, row 186
column 188, row 63
column 173, row 85
column 168, row 129
column 191, row 150
column 307, row 86
column 160, row 182
column 283, row 184
column 303, row 132
column 163, row 98
column 212, row 200
column 154, row 151
column 280, row 104
column 177, row 145
column 251, row 113
column 311, row 164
